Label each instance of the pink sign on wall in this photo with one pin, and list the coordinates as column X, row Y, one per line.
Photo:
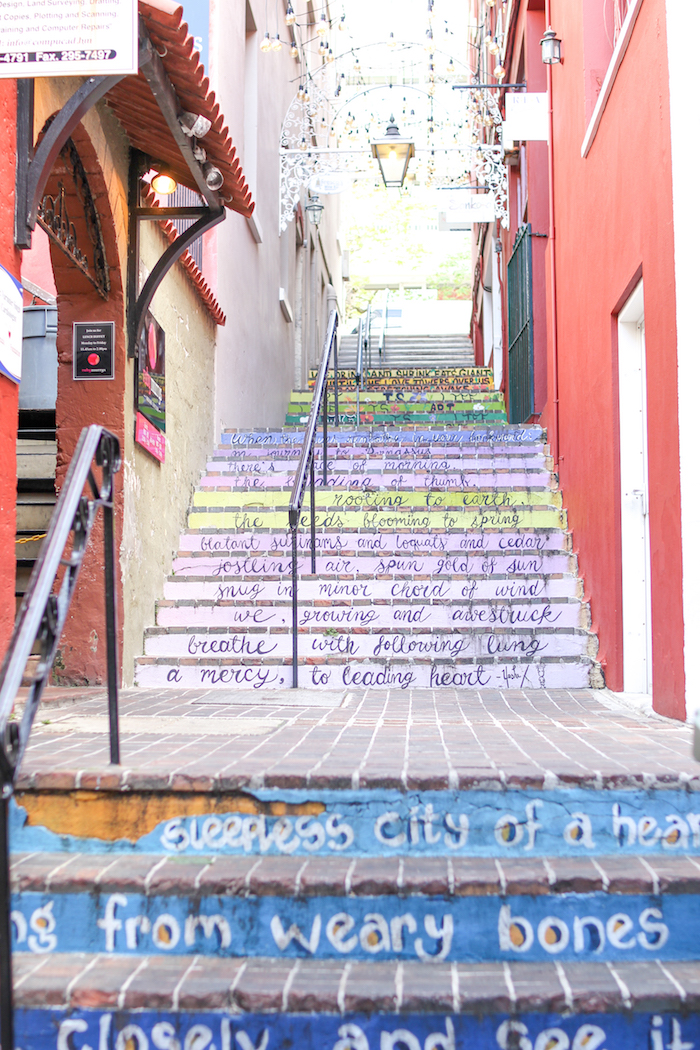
column 150, row 438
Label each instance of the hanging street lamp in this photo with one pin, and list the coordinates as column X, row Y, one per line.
column 314, row 209
column 393, row 154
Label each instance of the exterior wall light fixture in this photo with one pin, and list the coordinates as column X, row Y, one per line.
column 551, row 48
column 194, row 126
column 163, row 184
column 213, row 176
column 314, row 209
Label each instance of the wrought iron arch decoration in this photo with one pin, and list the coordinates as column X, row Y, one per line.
column 302, row 156
column 53, row 217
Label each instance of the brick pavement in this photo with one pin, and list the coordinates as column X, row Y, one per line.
column 413, row 738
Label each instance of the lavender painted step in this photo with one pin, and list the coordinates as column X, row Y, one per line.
column 478, row 456
column 477, row 644
column 202, row 564
column 505, row 614
column 381, row 480
column 331, row 541
column 364, row 588
column 368, row 675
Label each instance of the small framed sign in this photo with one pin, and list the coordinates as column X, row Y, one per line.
column 10, row 326
column 93, row 350
column 59, row 38
column 150, row 389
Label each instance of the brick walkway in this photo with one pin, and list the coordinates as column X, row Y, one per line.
column 198, row 740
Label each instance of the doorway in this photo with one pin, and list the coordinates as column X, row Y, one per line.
column 634, row 496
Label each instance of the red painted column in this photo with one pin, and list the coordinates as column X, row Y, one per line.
column 10, row 259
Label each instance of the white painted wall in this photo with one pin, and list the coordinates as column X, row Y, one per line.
column 634, row 496
column 683, row 25
column 255, row 369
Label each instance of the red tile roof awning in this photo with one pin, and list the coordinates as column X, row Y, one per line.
column 140, row 116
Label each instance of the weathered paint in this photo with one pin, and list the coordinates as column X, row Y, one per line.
column 471, row 928
column 112, row 817
column 574, row 822
column 54, row 1028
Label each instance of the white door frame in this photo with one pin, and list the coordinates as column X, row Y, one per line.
column 634, row 496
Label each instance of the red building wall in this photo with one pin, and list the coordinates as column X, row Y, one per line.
column 614, row 223
column 10, row 259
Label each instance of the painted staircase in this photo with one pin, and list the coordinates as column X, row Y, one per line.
column 183, row 911
column 296, row 892
column 444, row 556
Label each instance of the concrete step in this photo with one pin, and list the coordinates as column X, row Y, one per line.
column 34, row 511
column 36, row 459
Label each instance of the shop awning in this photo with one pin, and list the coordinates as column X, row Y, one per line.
column 139, row 113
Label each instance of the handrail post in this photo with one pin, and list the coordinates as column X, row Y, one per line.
column 111, row 625
column 325, row 436
column 6, row 990
column 295, row 612
column 312, row 484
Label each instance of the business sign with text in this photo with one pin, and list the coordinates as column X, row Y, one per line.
column 58, row 38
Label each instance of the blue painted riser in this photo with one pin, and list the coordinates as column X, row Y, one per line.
column 53, row 1029
column 570, row 927
column 575, row 822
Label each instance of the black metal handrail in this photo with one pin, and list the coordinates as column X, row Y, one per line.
column 306, row 472
column 41, row 619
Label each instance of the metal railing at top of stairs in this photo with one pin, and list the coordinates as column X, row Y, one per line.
column 41, row 620
column 306, row 473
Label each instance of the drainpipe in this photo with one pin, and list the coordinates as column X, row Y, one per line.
column 552, row 258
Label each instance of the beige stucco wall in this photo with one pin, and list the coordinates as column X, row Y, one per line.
column 157, row 495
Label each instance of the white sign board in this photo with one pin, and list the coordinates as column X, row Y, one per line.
column 58, row 38
column 459, row 209
column 331, row 182
column 527, row 117
column 11, row 300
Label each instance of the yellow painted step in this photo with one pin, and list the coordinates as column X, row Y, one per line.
column 430, row 499
column 461, row 519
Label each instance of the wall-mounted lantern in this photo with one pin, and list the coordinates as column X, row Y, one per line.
column 551, row 48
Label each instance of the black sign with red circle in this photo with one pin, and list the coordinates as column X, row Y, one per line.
column 93, row 350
